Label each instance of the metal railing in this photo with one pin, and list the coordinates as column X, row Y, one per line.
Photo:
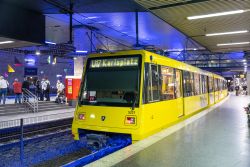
column 30, row 100
column 36, row 119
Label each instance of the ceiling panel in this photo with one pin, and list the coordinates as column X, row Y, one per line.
column 177, row 16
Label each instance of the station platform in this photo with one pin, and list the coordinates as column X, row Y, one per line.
column 218, row 136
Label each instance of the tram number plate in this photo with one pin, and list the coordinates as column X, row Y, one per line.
column 131, row 112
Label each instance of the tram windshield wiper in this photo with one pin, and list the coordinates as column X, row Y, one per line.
column 130, row 97
column 134, row 101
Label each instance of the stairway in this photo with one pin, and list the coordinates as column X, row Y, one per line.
column 14, row 109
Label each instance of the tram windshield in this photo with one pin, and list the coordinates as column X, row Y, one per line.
column 112, row 82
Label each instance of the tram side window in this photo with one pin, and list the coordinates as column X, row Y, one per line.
column 225, row 84
column 168, row 83
column 197, row 84
column 188, row 81
column 215, row 84
column 155, row 82
column 221, row 84
column 178, row 83
column 152, row 83
column 211, row 84
column 203, row 84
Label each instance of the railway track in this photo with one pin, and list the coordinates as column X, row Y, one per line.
column 13, row 134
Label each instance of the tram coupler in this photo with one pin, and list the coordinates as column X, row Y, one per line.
column 96, row 141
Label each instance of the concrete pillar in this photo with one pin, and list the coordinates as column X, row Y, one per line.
column 248, row 82
column 78, row 66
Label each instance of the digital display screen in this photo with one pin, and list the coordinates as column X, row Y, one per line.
column 30, row 71
column 116, row 62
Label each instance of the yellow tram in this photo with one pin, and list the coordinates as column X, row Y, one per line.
column 139, row 93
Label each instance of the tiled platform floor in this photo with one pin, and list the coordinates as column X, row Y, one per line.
column 220, row 138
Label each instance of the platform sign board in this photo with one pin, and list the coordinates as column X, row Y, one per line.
column 114, row 62
column 30, row 71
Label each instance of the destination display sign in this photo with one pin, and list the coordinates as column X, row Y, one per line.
column 116, row 62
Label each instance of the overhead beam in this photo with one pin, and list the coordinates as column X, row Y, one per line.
column 177, row 4
column 137, row 28
column 71, row 22
column 60, row 6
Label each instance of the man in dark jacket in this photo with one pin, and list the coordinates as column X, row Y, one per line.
column 25, row 85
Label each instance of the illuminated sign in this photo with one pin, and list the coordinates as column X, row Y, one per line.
column 118, row 62
column 70, row 89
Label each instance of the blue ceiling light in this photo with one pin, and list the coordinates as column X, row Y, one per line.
column 48, row 42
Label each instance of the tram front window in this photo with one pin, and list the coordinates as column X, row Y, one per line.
column 111, row 86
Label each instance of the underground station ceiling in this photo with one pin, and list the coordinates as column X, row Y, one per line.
column 203, row 20
column 210, row 34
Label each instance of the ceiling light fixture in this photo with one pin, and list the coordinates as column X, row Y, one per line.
column 38, row 52
column 92, row 17
column 215, row 14
column 48, row 42
column 227, row 33
column 236, row 43
column 81, row 51
column 6, row 42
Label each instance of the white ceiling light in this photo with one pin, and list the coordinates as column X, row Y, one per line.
column 227, row 33
column 92, row 17
column 236, row 43
column 215, row 14
column 6, row 42
column 81, row 51
column 38, row 52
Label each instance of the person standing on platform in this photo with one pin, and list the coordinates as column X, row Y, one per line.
column 43, row 89
column 60, row 87
column 47, row 89
column 38, row 89
column 25, row 86
column 17, row 86
column 237, row 89
column 3, row 89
